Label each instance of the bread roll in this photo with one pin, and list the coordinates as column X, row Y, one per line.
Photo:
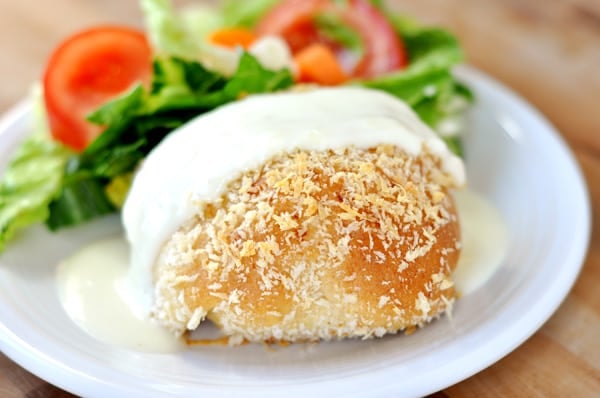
column 316, row 244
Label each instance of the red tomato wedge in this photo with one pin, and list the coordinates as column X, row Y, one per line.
column 294, row 21
column 87, row 70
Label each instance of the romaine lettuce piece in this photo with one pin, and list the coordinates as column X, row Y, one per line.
column 168, row 31
column 244, row 13
column 32, row 180
column 427, row 83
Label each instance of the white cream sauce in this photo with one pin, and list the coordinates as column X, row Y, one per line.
column 94, row 291
column 484, row 237
column 196, row 162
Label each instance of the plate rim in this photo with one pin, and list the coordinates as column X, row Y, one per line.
column 68, row 378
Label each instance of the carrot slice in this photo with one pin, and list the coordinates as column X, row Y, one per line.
column 318, row 64
column 233, row 37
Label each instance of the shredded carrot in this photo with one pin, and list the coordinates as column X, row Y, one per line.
column 233, row 37
column 317, row 64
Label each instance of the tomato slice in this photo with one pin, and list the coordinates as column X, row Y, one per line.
column 294, row 21
column 87, row 70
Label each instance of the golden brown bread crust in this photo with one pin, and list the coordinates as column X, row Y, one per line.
column 316, row 245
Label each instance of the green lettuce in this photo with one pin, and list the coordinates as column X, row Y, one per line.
column 334, row 29
column 31, row 182
column 183, row 33
column 168, row 31
column 244, row 13
column 137, row 121
column 427, row 83
column 39, row 185
column 81, row 198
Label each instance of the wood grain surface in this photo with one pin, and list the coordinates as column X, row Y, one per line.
column 546, row 50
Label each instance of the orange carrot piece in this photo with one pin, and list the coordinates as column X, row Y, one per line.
column 233, row 37
column 318, row 64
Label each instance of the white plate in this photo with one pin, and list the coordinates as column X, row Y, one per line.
column 514, row 157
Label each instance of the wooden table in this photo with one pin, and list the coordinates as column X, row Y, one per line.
column 546, row 50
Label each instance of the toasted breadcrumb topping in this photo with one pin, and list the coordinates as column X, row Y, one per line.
column 316, row 245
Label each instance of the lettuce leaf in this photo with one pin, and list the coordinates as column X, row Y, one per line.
column 118, row 188
column 181, row 89
column 168, row 31
column 182, row 32
column 82, row 197
column 244, row 13
column 31, row 182
column 427, row 84
column 334, row 29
